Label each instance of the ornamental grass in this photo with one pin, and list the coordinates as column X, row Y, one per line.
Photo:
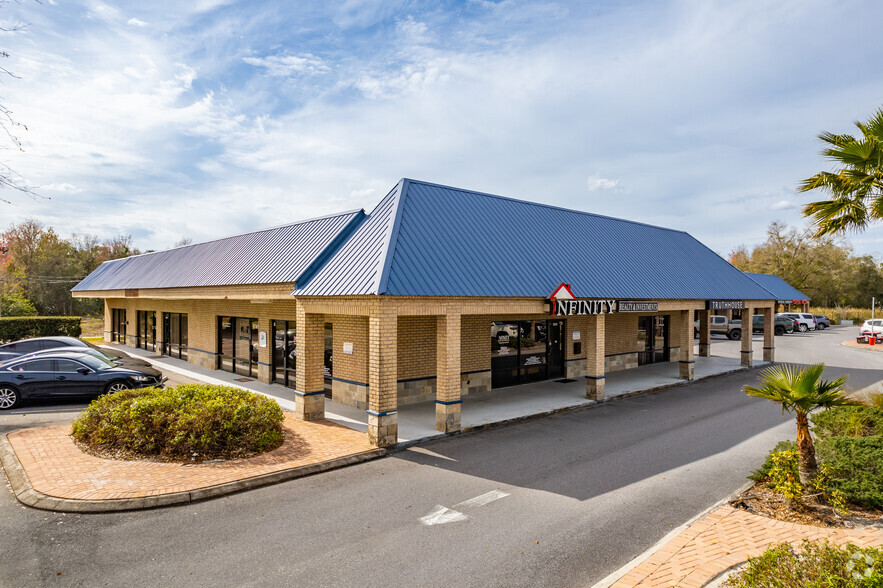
column 182, row 423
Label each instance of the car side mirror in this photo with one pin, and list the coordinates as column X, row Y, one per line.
column 83, row 370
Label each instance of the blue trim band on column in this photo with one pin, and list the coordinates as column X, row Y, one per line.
column 446, row 402
column 686, row 362
column 384, row 413
column 308, row 393
column 595, row 377
column 752, row 351
column 266, row 364
column 349, row 381
column 769, row 347
column 195, row 349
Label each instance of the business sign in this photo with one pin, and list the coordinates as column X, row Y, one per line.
column 564, row 303
column 724, row 304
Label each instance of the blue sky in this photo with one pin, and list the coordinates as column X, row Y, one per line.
column 206, row 118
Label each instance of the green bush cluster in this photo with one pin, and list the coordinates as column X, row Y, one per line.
column 780, row 473
column 25, row 327
column 815, row 565
column 182, row 423
column 850, row 444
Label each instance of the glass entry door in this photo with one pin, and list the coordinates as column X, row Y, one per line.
column 118, row 325
column 285, row 353
column 653, row 339
column 174, row 341
column 147, row 330
column 329, row 358
column 238, row 345
column 526, row 351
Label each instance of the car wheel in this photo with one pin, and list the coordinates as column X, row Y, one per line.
column 116, row 387
column 9, row 397
column 823, row 326
column 803, row 328
column 780, row 330
column 735, row 334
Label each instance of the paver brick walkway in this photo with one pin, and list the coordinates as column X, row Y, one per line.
column 57, row 467
column 724, row 538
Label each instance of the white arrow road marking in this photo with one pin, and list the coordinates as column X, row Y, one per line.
column 482, row 500
column 443, row 514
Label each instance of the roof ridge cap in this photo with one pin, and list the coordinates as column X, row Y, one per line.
column 392, row 236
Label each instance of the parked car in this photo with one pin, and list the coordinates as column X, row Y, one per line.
column 781, row 325
column 24, row 346
column 870, row 327
column 805, row 322
column 822, row 322
column 100, row 353
column 69, row 374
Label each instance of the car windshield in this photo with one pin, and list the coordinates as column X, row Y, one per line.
column 96, row 363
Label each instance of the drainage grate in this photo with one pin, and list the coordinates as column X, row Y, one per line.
column 565, row 381
column 242, row 380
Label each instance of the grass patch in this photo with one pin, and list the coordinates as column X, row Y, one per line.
column 814, row 565
column 183, row 423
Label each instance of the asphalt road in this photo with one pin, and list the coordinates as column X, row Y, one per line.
column 558, row 501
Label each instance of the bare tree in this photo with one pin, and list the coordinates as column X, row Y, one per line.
column 9, row 178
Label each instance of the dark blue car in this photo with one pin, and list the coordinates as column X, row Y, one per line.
column 69, row 374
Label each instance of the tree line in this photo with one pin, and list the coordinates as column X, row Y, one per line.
column 38, row 268
column 823, row 267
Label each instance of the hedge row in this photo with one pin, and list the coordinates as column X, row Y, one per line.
column 24, row 327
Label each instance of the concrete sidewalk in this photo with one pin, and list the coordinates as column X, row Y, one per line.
column 719, row 541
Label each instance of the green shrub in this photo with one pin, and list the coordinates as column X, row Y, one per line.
column 780, row 474
column 856, row 467
column 15, row 328
column 179, row 423
column 15, row 304
column 761, row 474
column 848, row 421
column 815, row 565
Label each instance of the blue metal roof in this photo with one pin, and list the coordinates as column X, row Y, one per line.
column 781, row 289
column 429, row 240
column 277, row 255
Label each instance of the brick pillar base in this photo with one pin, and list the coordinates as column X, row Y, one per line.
column 687, row 370
column 595, row 388
column 447, row 417
column 309, row 407
column 747, row 360
column 769, row 354
column 383, row 429
column 704, row 350
column 747, row 332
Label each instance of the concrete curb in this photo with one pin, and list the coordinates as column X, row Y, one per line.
column 25, row 493
column 615, row 576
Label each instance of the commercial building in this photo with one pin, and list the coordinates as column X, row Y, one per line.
column 435, row 294
column 788, row 298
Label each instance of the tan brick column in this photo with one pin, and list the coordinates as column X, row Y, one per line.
column 447, row 391
column 383, row 421
column 107, row 322
column 309, row 397
column 705, row 333
column 594, row 339
column 747, row 326
column 686, row 363
column 769, row 335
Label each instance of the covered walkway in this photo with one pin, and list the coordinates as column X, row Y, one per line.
column 417, row 421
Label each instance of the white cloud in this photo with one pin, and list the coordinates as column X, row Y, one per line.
column 596, row 182
column 784, row 205
column 61, row 187
column 288, row 65
column 136, row 22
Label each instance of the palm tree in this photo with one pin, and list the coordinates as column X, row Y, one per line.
column 800, row 391
column 857, row 187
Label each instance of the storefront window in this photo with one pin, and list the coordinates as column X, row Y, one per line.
column 238, row 345
column 521, row 352
column 174, row 341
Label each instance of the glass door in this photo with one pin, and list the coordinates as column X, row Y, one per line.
column 556, row 349
column 147, row 330
column 285, row 353
column 118, row 325
column 242, row 346
column 174, row 329
column 652, row 339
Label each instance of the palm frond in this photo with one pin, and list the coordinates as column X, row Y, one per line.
column 798, row 389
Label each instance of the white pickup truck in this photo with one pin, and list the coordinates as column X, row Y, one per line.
column 873, row 327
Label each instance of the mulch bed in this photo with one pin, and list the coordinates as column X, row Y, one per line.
column 762, row 501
